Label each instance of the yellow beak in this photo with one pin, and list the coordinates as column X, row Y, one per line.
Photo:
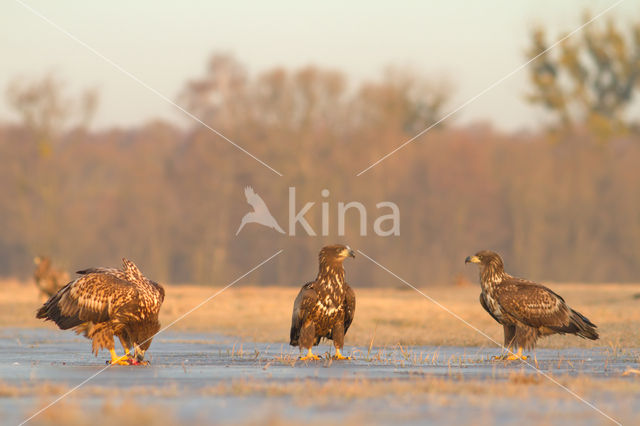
column 348, row 252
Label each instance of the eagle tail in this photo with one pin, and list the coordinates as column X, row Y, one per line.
column 580, row 326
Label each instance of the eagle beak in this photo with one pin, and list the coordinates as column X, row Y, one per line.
column 472, row 259
column 348, row 252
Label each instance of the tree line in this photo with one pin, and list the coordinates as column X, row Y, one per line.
column 561, row 203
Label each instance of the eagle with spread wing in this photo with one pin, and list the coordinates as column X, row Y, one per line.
column 325, row 307
column 106, row 302
column 525, row 309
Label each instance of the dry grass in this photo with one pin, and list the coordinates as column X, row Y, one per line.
column 386, row 316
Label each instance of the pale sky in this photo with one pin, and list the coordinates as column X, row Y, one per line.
column 472, row 44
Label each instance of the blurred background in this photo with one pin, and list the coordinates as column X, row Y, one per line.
column 544, row 168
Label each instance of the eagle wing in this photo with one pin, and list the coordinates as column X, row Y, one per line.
column 483, row 302
column 532, row 304
column 349, row 307
column 302, row 307
column 94, row 297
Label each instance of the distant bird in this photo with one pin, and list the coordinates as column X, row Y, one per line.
column 325, row 307
column 525, row 309
column 260, row 213
column 48, row 279
column 104, row 302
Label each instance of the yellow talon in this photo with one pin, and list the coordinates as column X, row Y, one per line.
column 119, row 360
column 309, row 356
column 516, row 357
column 512, row 357
column 338, row 355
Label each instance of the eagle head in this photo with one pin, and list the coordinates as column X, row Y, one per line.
column 484, row 257
column 489, row 261
column 336, row 253
column 139, row 350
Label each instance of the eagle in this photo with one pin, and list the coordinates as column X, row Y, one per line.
column 325, row 307
column 526, row 310
column 48, row 279
column 106, row 302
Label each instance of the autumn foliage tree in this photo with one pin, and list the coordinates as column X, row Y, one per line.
column 171, row 197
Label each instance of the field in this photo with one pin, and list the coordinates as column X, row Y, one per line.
column 229, row 362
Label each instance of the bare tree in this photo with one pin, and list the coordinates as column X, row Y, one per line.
column 42, row 107
column 46, row 109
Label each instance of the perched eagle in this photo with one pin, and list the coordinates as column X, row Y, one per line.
column 48, row 279
column 525, row 309
column 104, row 302
column 324, row 307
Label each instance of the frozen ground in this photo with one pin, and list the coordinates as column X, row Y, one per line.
column 204, row 378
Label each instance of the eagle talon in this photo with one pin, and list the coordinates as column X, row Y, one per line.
column 120, row 360
column 346, row 358
column 338, row 355
column 511, row 356
column 310, row 356
column 516, row 358
column 499, row 357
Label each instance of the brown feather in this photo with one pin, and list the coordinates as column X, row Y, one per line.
column 104, row 302
column 324, row 308
column 526, row 309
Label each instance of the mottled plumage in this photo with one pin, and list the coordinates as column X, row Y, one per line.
column 525, row 309
column 325, row 307
column 48, row 279
column 103, row 302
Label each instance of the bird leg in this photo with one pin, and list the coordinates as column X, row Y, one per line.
column 119, row 360
column 127, row 352
column 338, row 355
column 510, row 356
column 125, row 346
column 309, row 356
column 504, row 354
